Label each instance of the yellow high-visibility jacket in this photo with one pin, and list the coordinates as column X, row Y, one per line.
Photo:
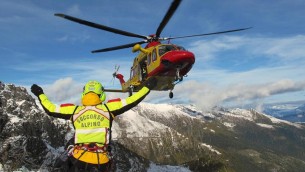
column 92, row 121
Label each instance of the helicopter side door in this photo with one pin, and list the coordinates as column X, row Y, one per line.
column 153, row 61
column 143, row 68
column 135, row 75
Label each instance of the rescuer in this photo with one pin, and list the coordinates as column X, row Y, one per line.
column 92, row 123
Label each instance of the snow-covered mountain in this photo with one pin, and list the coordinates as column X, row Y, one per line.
column 156, row 137
column 290, row 111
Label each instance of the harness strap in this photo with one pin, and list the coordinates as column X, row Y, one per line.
column 72, row 116
column 98, row 160
column 91, row 147
column 111, row 119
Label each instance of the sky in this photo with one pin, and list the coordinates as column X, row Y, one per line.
column 264, row 64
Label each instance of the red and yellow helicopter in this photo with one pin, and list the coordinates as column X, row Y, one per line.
column 168, row 63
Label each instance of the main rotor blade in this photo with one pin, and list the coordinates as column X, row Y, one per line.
column 205, row 34
column 117, row 47
column 99, row 26
column 168, row 16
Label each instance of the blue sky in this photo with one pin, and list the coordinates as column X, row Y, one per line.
column 261, row 65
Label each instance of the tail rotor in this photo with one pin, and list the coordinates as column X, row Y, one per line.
column 116, row 69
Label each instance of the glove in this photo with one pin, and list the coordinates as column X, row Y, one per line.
column 151, row 83
column 36, row 90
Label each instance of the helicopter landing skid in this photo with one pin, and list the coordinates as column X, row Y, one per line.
column 178, row 79
column 171, row 94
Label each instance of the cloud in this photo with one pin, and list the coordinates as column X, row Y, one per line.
column 206, row 96
column 68, row 90
column 280, row 48
column 289, row 48
column 276, row 67
column 64, row 90
column 209, row 49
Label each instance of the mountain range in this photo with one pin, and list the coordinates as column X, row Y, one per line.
column 290, row 111
column 155, row 137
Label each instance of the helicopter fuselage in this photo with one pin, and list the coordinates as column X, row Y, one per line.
column 166, row 62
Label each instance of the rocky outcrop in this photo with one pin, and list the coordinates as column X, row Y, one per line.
column 26, row 132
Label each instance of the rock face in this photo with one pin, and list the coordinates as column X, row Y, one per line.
column 155, row 137
column 26, row 132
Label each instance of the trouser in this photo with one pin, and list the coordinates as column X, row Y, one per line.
column 80, row 166
column 74, row 165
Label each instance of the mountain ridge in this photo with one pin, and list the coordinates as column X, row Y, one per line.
column 236, row 118
column 156, row 137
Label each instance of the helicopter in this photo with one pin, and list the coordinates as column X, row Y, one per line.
column 166, row 62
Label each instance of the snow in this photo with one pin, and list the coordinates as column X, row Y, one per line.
column 160, row 108
column 247, row 115
column 211, row 148
column 210, row 115
column 165, row 110
column 20, row 102
column 137, row 125
column 284, row 107
column 229, row 125
column 240, row 113
column 14, row 118
column 38, row 104
column 278, row 121
column 166, row 168
column 265, row 125
column 192, row 107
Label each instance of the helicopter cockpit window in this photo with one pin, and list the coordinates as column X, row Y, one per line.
column 148, row 59
column 181, row 48
column 154, row 55
column 165, row 48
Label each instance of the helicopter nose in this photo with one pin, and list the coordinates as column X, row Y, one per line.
column 178, row 58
